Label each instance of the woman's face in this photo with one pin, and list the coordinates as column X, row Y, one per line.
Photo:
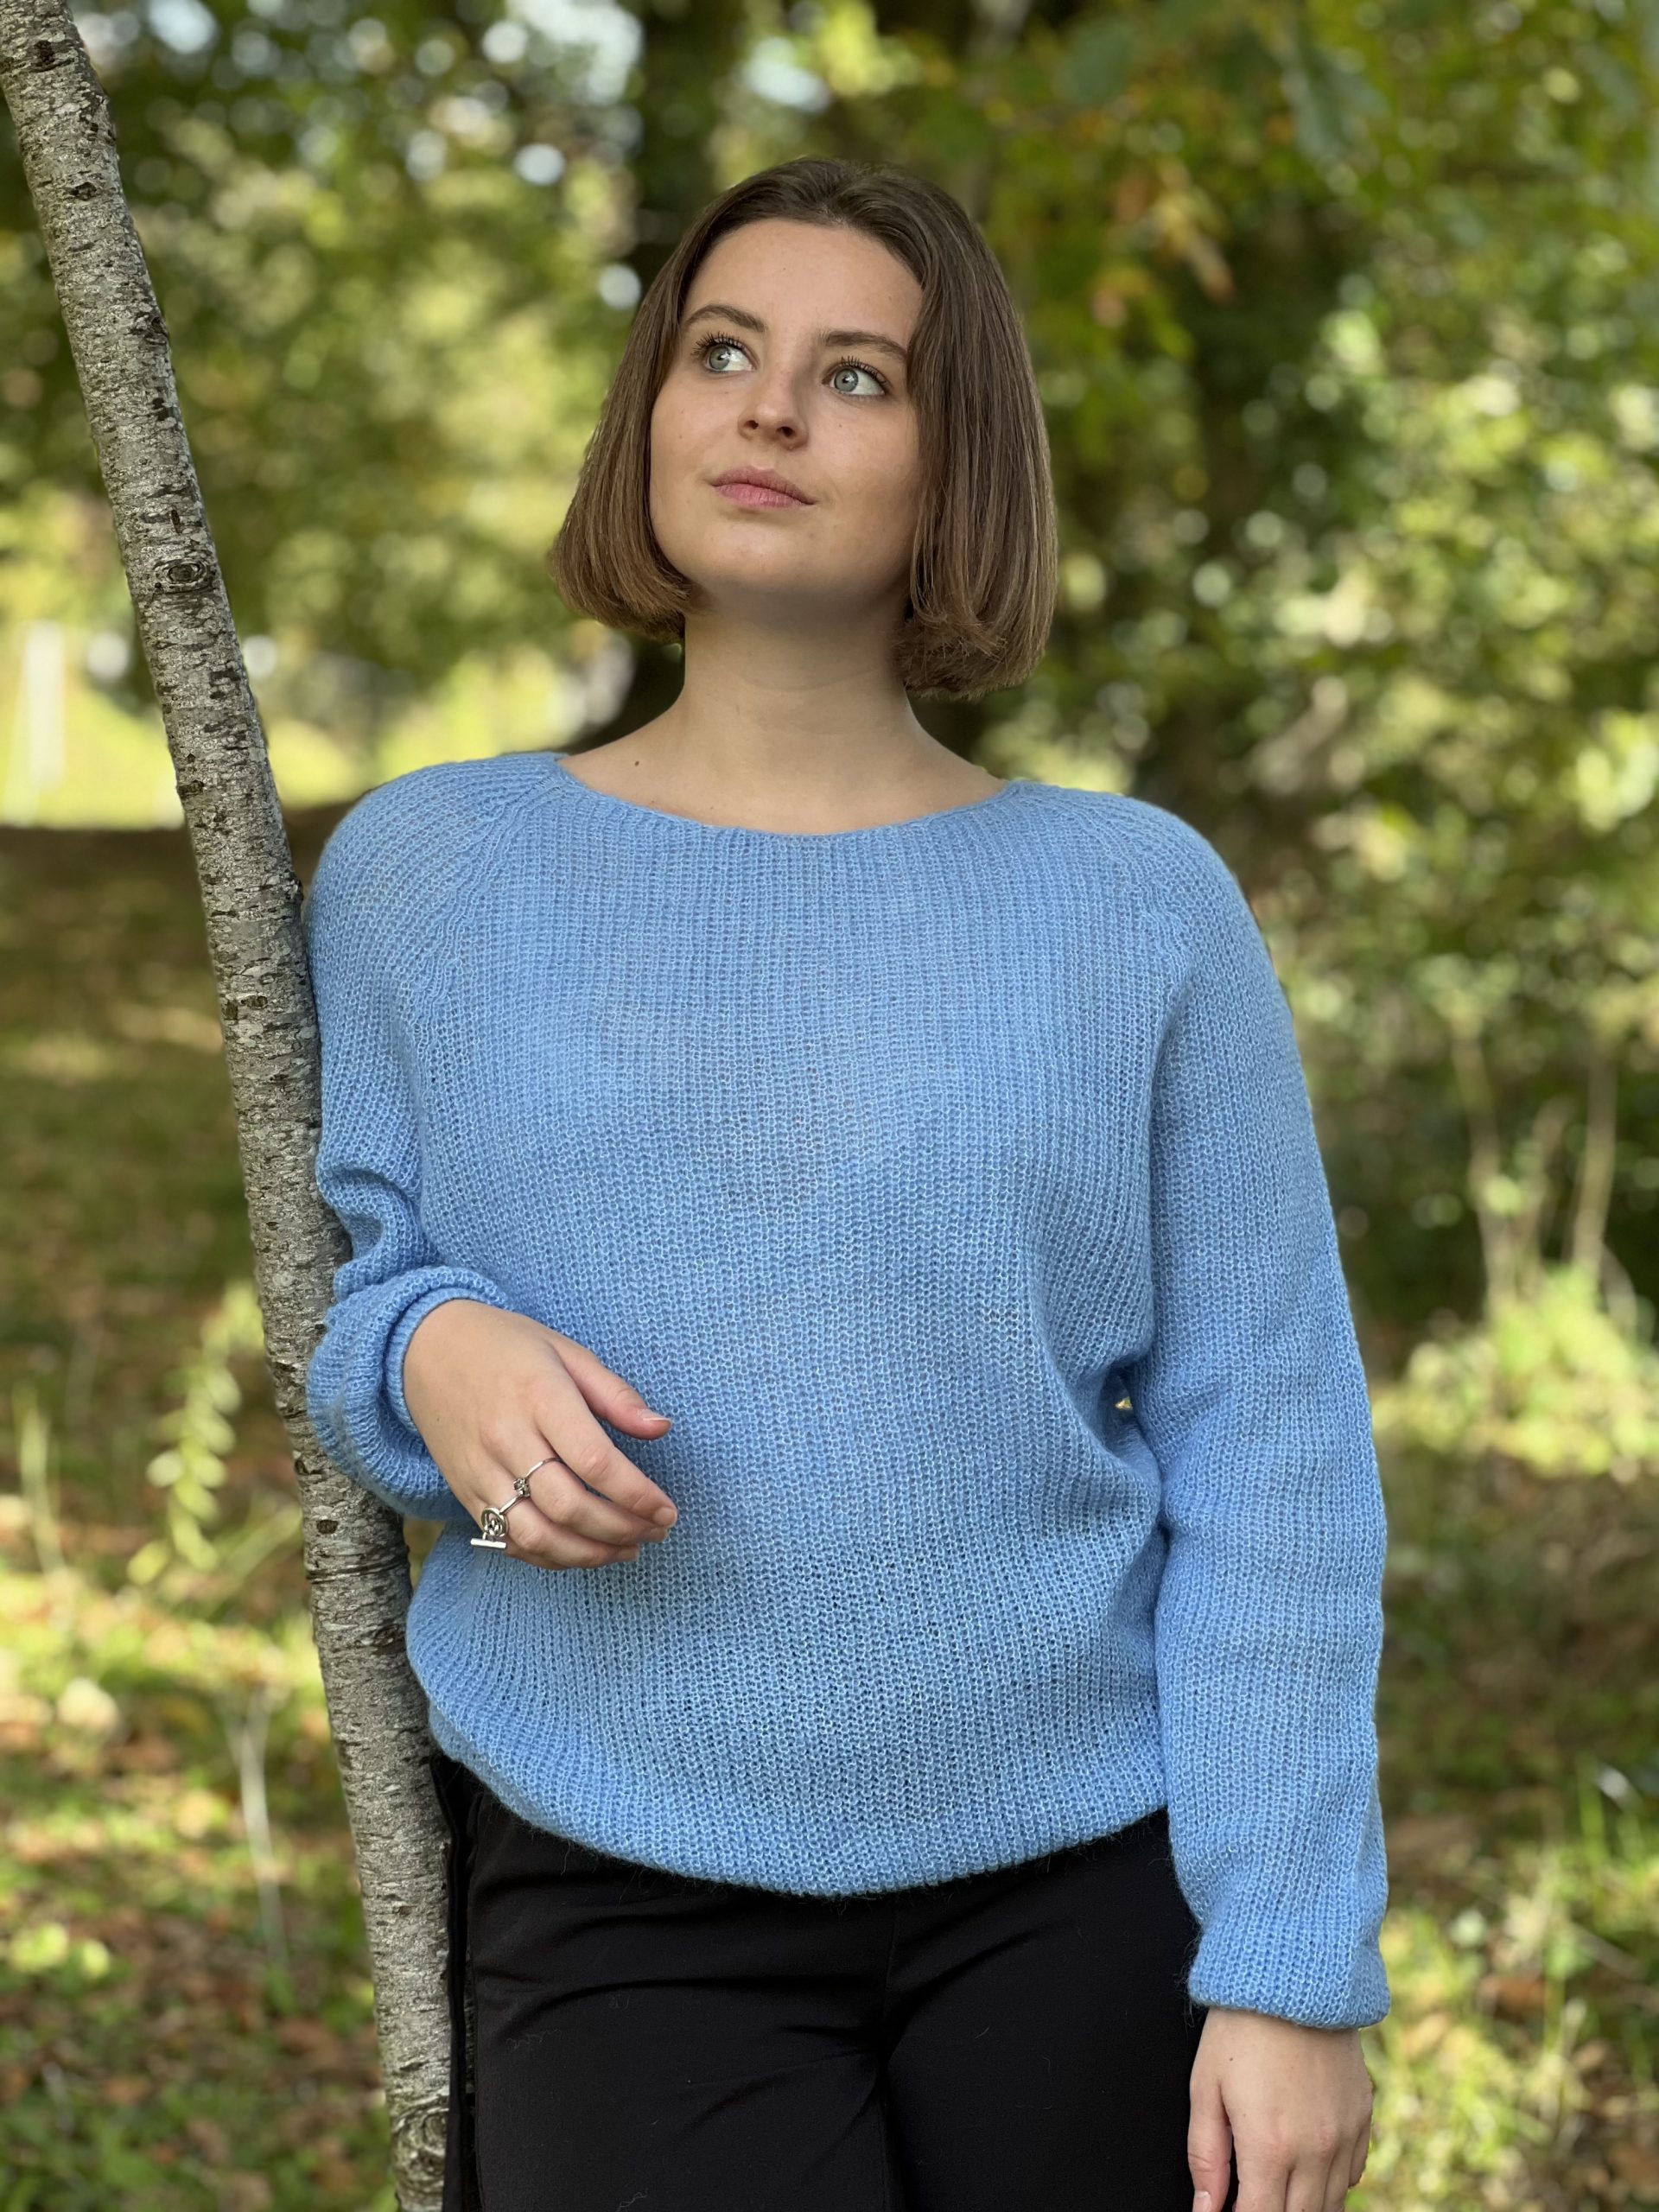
column 758, row 379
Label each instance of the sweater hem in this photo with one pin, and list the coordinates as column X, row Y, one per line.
column 781, row 1861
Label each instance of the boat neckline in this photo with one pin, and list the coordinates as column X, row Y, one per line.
column 692, row 825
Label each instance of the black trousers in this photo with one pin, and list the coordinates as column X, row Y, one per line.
column 1014, row 2041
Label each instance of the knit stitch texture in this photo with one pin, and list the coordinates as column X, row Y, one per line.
column 954, row 1185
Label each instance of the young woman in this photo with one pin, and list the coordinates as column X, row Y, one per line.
column 839, row 1241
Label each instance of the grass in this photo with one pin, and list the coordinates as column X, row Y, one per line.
column 184, row 2014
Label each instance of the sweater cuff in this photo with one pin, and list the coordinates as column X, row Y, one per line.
column 1290, row 1975
column 1314, row 1959
column 354, row 1387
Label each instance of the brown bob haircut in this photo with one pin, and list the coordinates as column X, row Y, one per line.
column 985, row 561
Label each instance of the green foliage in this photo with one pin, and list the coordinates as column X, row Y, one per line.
column 1552, row 1382
column 164, row 2041
column 387, row 336
column 191, row 1561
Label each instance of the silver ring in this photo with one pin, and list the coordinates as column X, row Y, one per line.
column 493, row 1523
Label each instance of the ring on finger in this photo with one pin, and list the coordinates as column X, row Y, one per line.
column 493, row 1523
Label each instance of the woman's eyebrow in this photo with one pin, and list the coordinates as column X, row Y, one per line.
column 717, row 310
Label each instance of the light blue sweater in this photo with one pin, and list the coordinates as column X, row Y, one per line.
column 954, row 1185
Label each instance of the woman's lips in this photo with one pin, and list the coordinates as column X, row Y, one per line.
column 759, row 495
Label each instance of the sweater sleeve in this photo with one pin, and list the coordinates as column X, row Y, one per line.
column 1269, row 1620
column 368, row 1166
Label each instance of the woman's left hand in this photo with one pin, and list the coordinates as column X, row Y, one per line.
column 1291, row 2104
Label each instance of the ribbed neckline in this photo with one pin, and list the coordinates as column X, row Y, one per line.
column 685, row 825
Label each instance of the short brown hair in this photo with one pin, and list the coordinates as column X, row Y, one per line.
column 984, row 564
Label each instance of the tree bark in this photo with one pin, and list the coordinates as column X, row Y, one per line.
column 356, row 1560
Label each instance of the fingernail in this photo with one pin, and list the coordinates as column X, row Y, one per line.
column 666, row 1515
column 1201, row 2201
column 650, row 1413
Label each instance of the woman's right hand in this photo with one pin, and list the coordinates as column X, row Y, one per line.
column 492, row 1392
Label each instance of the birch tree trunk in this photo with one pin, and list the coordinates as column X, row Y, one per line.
column 356, row 1560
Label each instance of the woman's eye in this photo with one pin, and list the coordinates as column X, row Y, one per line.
column 858, row 369
column 709, row 345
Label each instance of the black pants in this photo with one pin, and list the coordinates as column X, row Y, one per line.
column 1015, row 2041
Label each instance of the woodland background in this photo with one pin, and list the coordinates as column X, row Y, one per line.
column 1347, row 319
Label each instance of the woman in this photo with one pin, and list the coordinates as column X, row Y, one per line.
column 951, row 1783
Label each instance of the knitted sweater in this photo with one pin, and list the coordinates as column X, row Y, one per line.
column 954, row 1185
